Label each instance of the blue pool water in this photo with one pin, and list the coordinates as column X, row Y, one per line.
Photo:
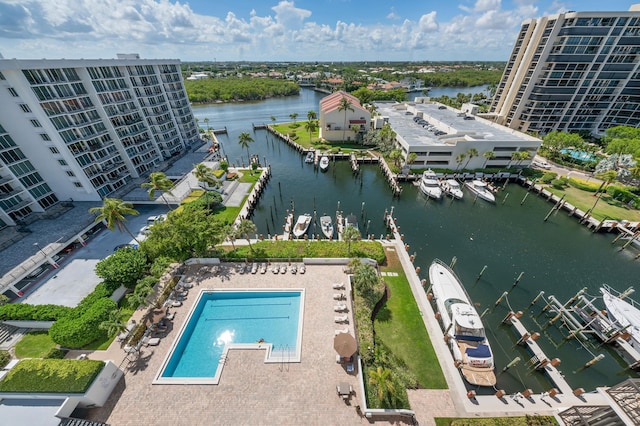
column 578, row 154
column 232, row 317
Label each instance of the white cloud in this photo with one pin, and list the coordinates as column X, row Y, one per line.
column 487, row 5
column 428, row 22
column 289, row 15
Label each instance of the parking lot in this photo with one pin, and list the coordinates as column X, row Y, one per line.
column 75, row 278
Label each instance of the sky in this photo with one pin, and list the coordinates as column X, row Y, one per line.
column 274, row 30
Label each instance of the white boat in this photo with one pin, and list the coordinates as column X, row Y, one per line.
column 310, row 157
column 302, row 224
column 429, row 185
column 452, row 188
column 288, row 224
column 463, row 327
column 324, row 163
column 481, row 189
column 352, row 221
column 624, row 314
column 326, row 224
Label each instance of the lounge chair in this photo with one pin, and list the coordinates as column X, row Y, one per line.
column 340, row 307
column 151, row 341
column 176, row 303
column 122, row 336
column 339, row 296
column 344, row 319
column 303, row 269
column 344, row 330
column 338, row 286
column 170, row 316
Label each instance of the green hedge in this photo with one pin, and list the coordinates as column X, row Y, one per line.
column 218, row 173
column 548, row 177
column 5, row 357
column 584, row 185
column 51, row 376
column 624, row 195
column 80, row 328
column 26, row 312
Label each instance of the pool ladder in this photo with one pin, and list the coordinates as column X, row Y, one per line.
column 223, row 359
column 282, row 349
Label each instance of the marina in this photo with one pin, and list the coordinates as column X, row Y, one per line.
column 559, row 256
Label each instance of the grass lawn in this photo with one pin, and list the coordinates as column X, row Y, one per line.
column 498, row 421
column 305, row 141
column 34, row 345
column 607, row 206
column 227, row 214
column 400, row 326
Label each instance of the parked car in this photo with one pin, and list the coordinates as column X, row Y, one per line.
column 541, row 164
column 123, row 246
column 151, row 220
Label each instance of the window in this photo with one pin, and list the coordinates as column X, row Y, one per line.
column 25, row 108
column 54, row 150
column 13, row 92
column 45, row 137
column 62, row 162
column 77, row 184
column 70, row 173
column 35, row 123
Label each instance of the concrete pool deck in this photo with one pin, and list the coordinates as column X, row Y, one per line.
column 250, row 391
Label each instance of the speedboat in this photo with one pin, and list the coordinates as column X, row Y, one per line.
column 326, row 224
column 302, row 224
column 462, row 325
column 429, row 185
column 288, row 223
column 624, row 314
column 324, row 163
column 310, row 157
column 481, row 189
column 452, row 188
column 352, row 221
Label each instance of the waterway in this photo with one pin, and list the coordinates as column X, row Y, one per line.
column 558, row 256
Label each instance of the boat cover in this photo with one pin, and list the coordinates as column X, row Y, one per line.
column 482, row 351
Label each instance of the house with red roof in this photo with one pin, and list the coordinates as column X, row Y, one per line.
column 338, row 124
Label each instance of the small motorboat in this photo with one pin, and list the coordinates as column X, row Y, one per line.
column 302, row 224
column 481, row 189
column 352, row 221
column 324, row 163
column 452, row 188
column 340, row 224
column 288, row 223
column 310, row 157
column 326, row 224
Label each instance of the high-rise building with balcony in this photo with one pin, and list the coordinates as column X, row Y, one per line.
column 574, row 72
column 81, row 129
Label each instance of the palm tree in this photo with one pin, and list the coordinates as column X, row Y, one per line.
column 345, row 105
column 382, row 381
column 364, row 278
column 471, row 152
column 244, row 140
column 310, row 126
column 114, row 324
column 411, row 158
column 273, row 119
column 459, row 159
column 606, row 177
column 350, row 234
column 113, row 212
column 514, row 157
column 205, row 174
column 356, row 130
column 206, row 121
column 311, row 115
column 396, row 155
column 523, row 156
column 293, row 116
column 245, row 228
column 158, row 181
column 489, row 155
column 230, row 233
column 140, row 295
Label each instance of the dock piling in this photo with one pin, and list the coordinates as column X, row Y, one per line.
column 484, row 268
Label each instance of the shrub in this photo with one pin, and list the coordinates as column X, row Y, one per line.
column 559, row 183
column 219, row 173
column 124, row 267
column 584, row 185
column 623, row 194
column 51, row 376
column 81, row 328
column 55, row 353
column 159, row 266
column 224, row 165
column 101, row 291
column 548, row 177
column 232, row 176
column 5, row 357
column 26, row 312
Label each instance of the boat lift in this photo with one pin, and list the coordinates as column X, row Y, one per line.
column 583, row 319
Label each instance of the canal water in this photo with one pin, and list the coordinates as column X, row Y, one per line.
column 558, row 256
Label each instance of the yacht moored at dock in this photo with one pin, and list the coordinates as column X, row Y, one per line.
column 452, row 188
column 429, row 185
column 326, row 224
column 302, row 224
column 481, row 189
column 463, row 328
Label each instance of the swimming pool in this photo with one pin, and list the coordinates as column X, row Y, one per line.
column 578, row 154
column 221, row 320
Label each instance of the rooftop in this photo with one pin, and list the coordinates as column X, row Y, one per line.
column 455, row 125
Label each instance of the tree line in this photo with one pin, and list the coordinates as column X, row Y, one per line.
column 210, row 90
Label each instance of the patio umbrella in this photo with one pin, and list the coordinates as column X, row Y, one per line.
column 155, row 316
column 345, row 344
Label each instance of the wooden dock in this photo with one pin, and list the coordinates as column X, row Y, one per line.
column 219, row 131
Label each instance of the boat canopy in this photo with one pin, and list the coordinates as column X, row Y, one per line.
column 482, row 351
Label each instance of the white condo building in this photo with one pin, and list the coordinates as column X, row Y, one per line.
column 574, row 71
column 81, row 129
column 442, row 137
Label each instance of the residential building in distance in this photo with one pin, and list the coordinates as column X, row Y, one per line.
column 574, row 72
column 337, row 124
column 442, row 136
column 81, row 129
